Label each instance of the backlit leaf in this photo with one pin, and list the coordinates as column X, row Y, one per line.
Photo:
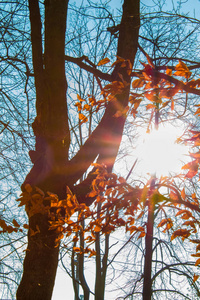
column 150, row 61
column 79, row 98
column 163, row 222
column 97, row 228
column 138, row 83
column 83, row 118
column 184, row 211
column 189, row 223
column 196, row 255
column 76, row 249
column 150, row 106
column 172, row 105
column 184, row 233
column 87, row 107
column 182, row 70
column 195, row 277
column 197, row 262
column 169, row 71
column 103, row 61
column 183, row 194
column 92, row 253
column 142, row 234
column 26, row 226
column 194, row 83
column 92, row 194
column 3, row 224
column 15, row 223
column 174, row 196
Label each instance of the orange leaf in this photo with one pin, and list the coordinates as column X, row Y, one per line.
column 169, row 71
column 164, row 221
column 121, row 180
column 26, row 226
column 172, row 105
column 195, row 241
column 169, row 225
column 97, row 228
column 189, row 223
column 191, row 173
column 195, row 277
column 183, row 194
column 132, row 221
column 142, row 234
column 197, row 262
column 150, row 96
column 182, row 70
column 150, row 61
column 83, row 118
column 183, row 211
column 15, row 223
column 188, row 165
column 3, row 224
column 103, row 61
column 92, row 194
column 150, row 106
column 168, row 93
column 75, row 239
column 87, row 107
column 186, row 215
column 76, row 249
column 184, row 233
column 78, row 105
column 196, row 255
column 174, row 196
column 194, row 83
column 132, row 229
column 140, row 215
column 138, row 83
column 92, row 253
column 79, row 98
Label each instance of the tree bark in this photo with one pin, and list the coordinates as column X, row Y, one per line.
column 52, row 171
column 147, row 284
column 101, row 262
column 40, row 263
column 50, row 128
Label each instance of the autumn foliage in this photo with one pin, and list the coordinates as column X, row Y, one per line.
column 121, row 205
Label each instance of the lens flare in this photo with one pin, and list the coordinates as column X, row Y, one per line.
column 159, row 153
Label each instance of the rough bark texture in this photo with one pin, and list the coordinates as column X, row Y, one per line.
column 40, row 263
column 52, row 171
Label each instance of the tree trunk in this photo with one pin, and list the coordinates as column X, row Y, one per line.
column 147, row 284
column 40, row 263
column 52, row 171
column 50, row 128
column 101, row 262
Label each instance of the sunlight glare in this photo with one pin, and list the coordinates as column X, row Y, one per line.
column 159, row 154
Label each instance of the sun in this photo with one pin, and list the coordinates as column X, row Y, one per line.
column 158, row 152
